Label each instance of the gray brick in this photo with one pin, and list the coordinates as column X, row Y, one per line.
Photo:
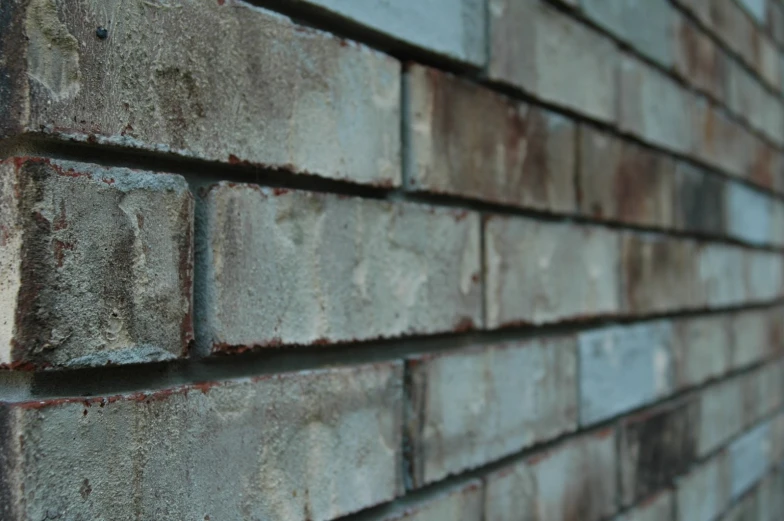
column 536, row 48
column 96, row 264
column 758, row 9
column 289, row 267
column 459, row 33
column 749, row 459
column 695, row 190
column 722, row 280
column 703, row 494
column 567, row 272
column 312, row 445
column 753, row 333
column 764, row 273
column 701, row 349
column 458, row 129
column 748, row 214
column 622, row 181
column 653, row 107
column 575, row 480
column 769, row 62
column 698, row 59
column 646, row 26
column 722, row 142
column 658, row 508
column 463, row 503
column 622, row 368
column 722, row 414
column 221, row 81
column 748, row 99
column 467, row 408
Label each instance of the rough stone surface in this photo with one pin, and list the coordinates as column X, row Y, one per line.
column 96, row 264
column 468, row 141
column 468, row 408
column 459, row 33
column 221, row 81
column 289, row 267
column 536, row 48
column 646, row 26
column 703, row 493
column 458, row 504
column 658, row 508
column 567, row 272
column 653, row 107
column 622, row 368
column 749, row 459
column 655, row 447
column 576, row 480
column 702, row 349
column 625, row 182
column 299, row 446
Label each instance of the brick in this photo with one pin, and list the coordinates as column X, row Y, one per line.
column 658, row 274
column 658, row 508
column 701, row 349
column 769, row 389
column 722, row 414
column 776, row 22
column 655, row 447
column 695, row 190
column 463, row 503
column 748, row 214
column 199, row 85
column 720, row 271
column 625, row 182
column 703, row 494
column 96, row 264
column 758, row 9
column 467, row 408
column 310, row 445
column 777, row 223
column 469, row 141
column 770, row 63
column 747, row 508
column 770, row 500
column 310, row 268
column 722, row 142
column 749, row 459
column 764, row 163
column 751, row 102
column 646, row 27
column 653, row 107
column 753, row 333
column 697, row 59
column 459, row 34
column 764, row 272
column 738, row 31
column 538, row 49
column 622, row 368
column 567, row 272
column 777, row 440
column 576, row 480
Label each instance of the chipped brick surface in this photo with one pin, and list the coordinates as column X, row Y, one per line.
column 309, row 268
column 303, row 446
column 96, row 264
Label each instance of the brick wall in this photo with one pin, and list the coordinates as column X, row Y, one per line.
column 475, row 260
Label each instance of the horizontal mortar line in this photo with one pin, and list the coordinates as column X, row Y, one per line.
column 200, row 173
column 670, row 73
column 18, row 386
column 432, row 490
column 318, row 18
column 761, row 27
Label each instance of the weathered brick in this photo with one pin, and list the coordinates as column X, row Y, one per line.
column 536, row 48
column 777, row 223
column 701, row 349
column 748, row 214
column 753, row 335
column 745, row 509
column 704, row 493
column 770, row 500
column 720, row 275
column 777, row 439
column 722, row 142
column 655, row 447
column 658, row 508
column 758, row 9
column 622, row 181
column 463, row 503
column 695, row 190
column 469, row 141
column 658, row 273
column 576, row 480
column 749, row 459
column 467, row 408
column 222, row 81
column 567, row 272
column 311, row 445
column 458, row 35
column 622, row 368
column 770, row 63
column 307, row 268
column 653, row 107
column 697, row 58
column 764, row 275
column 738, row 31
column 722, row 414
column 776, row 22
column 647, row 26
column 750, row 101
column 765, row 390
column 96, row 264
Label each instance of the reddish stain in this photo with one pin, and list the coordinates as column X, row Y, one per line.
column 108, row 181
column 59, row 251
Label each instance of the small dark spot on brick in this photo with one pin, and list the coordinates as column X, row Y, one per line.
column 84, row 413
column 85, row 489
column 102, row 32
